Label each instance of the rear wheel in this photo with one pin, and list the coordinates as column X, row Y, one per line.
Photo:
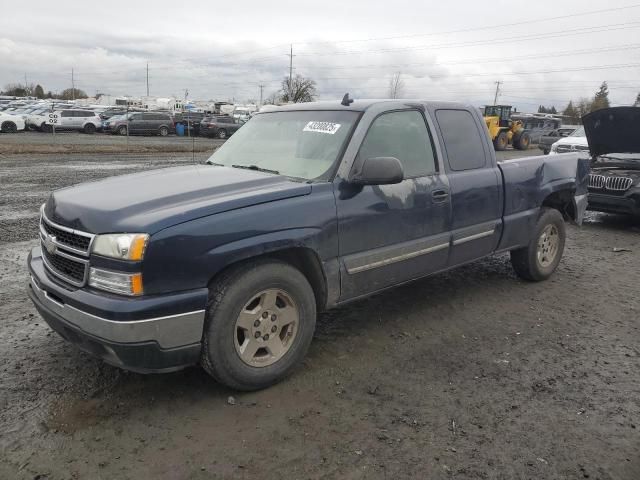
column 501, row 141
column 90, row 128
column 538, row 260
column 523, row 141
column 9, row 127
column 222, row 133
column 164, row 131
column 260, row 321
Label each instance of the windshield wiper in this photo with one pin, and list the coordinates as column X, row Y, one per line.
column 256, row 168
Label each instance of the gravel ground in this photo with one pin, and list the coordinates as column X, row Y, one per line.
column 472, row 374
column 76, row 138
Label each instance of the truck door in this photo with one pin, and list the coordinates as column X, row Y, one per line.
column 476, row 185
column 393, row 233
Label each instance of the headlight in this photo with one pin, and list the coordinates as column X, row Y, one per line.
column 123, row 246
column 116, row 282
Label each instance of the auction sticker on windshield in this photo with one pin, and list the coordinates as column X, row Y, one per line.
column 322, row 127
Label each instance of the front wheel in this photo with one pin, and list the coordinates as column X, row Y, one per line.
column 90, row 128
column 260, row 321
column 538, row 260
column 122, row 130
column 222, row 134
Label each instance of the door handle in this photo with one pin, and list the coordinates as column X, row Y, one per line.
column 439, row 195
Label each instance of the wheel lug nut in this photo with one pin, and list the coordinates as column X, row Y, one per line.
column 273, row 318
column 273, row 329
column 266, row 337
column 257, row 335
column 256, row 323
column 265, row 314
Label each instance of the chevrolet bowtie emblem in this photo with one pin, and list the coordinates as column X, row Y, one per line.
column 50, row 244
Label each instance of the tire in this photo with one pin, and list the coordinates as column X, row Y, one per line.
column 546, row 151
column 8, row 127
column 89, row 129
column 122, row 130
column 232, row 302
column 45, row 127
column 531, row 262
column 523, row 141
column 221, row 134
column 164, row 131
column 501, row 141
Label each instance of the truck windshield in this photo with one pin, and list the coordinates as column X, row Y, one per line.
column 578, row 133
column 302, row 144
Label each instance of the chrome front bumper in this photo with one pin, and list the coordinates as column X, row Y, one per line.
column 147, row 344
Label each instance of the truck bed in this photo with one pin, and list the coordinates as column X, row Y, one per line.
column 529, row 181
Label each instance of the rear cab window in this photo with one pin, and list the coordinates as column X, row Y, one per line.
column 463, row 140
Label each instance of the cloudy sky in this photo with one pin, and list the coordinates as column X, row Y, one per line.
column 544, row 52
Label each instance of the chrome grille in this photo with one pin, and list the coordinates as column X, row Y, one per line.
column 65, row 252
column 596, row 181
column 77, row 241
column 572, row 148
column 619, row 184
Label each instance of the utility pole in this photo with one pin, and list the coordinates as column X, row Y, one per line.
column 495, row 98
column 73, row 86
column 261, row 89
column 147, row 79
column 291, row 55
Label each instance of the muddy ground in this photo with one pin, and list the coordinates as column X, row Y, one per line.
column 473, row 374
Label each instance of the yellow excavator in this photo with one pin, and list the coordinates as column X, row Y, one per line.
column 504, row 131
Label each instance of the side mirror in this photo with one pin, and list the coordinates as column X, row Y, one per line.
column 379, row 171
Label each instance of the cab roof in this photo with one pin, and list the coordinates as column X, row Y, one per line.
column 361, row 105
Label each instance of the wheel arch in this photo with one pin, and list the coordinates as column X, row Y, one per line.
column 303, row 258
column 563, row 201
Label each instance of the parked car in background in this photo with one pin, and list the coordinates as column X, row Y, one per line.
column 142, row 123
column 85, row 121
column 37, row 119
column 307, row 208
column 190, row 120
column 112, row 112
column 11, row 123
column 576, row 142
column 614, row 181
column 221, row 126
column 552, row 137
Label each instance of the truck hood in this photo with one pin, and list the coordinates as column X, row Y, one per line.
column 613, row 130
column 148, row 202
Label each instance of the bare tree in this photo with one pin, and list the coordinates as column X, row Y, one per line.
column 297, row 90
column 396, row 86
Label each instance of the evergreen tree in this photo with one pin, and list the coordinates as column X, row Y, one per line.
column 601, row 98
column 39, row 91
column 571, row 114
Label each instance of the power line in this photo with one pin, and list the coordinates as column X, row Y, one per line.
column 519, row 38
column 487, row 27
column 475, row 61
column 448, row 32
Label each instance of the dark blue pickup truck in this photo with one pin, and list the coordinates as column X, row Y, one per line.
column 307, row 207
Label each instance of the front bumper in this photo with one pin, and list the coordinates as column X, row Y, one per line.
column 628, row 204
column 145, row 344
